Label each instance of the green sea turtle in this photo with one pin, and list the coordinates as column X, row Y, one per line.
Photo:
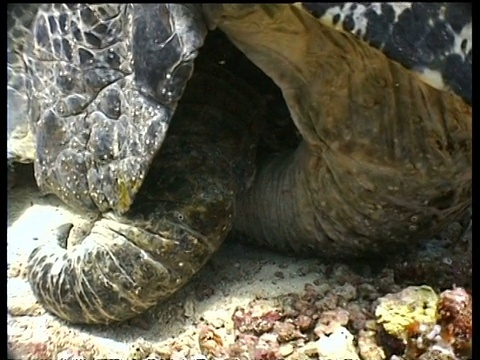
column 380, row 94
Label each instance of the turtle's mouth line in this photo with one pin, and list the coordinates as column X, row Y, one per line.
column 156, row 228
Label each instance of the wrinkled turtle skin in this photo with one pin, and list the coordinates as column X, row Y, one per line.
column 380, row 94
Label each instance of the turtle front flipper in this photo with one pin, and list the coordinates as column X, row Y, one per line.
column 181, row 214
column 386, row 158
column 106, row 79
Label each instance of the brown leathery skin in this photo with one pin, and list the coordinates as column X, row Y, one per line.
column 386, row 158
column 180, row 217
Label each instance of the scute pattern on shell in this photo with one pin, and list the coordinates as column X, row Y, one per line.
column 434, row 39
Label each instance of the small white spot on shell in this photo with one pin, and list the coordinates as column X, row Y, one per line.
column 432, row 78
column 399, row 8
column 464, row 35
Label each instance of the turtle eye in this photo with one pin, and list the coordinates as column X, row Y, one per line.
column 180, row 216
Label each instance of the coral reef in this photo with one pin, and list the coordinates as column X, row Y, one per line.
column 430, row 327
column 396, row 312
